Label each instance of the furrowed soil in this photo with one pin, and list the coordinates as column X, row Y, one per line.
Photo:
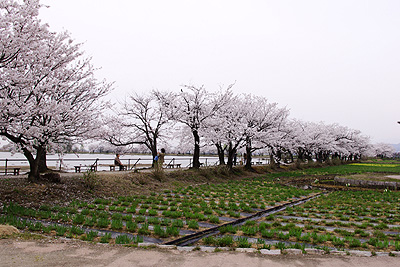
column 87, row 187
column 25, row 249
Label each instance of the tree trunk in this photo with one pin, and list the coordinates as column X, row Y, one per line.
column 272, row 161
column 248, row 154
column 196, row 154
column 291, row 156
column 153, row 149
column 231, row 153
column 34, row 173
column 300, row 155
column 221, row 154
column 43, row 162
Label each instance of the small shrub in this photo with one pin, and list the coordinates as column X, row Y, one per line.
column 228, row 229
column 103, row 222
column 76, row 230
column 209, row 240
column 177, row 223
column 91, row 235
column 267, row 233
column 172, row 231
column 116, row 216
column 249, row 230
column 153, row 220
column 60, row 230
column 116, row 224
column 152, row 212
column 127, row 218
column 105, row 238
column 243, row 242
column 380, row 234
column 158, row 231
column 90, row 180
column 131, row 226
column 144, row 229
column 213, row 219
column 165, row 222
column 225, row 241
column 354, row 243
column 78, row 219
column 280, row 245
column 140, row 219
column 158, row 173
column 123, row 239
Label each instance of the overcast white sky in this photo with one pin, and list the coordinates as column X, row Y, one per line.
column 333, row 61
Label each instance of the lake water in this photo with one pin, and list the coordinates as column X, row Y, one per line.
column 67, row 162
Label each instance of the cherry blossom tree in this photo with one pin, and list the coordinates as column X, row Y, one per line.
column 309, row 140
column 382, row 150
column 264, row 121
column 48, row 93
column 245, row 121
column 193, row 106
column 141, row 120
column 226, row 129
column 20, row 30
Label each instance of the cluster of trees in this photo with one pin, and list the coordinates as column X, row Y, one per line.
column 230, row 123
column 50, row 100
column 48, row 92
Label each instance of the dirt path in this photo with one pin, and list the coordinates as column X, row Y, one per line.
column 77, row 253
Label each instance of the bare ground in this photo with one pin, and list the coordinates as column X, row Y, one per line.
column 15, row 252
column 84, row 187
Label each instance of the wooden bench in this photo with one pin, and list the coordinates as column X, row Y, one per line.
column 121, row 168
column 172, row 166
column 15, row 170
column 92, row 168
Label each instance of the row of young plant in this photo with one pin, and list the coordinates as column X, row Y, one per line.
column 340, row 170
column 277, row 229
column 165, row 214
column 142, row 225
column 275, row 233
column 68, row 231
column 337, row 223
column 243, row 196
column 220, row 202
column 359, row 206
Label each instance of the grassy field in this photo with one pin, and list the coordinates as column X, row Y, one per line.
column 342, row 170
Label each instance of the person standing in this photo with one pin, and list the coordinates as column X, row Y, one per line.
column 160, row 160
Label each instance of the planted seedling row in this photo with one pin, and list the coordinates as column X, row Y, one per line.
column 164, row 215
column 345, row 234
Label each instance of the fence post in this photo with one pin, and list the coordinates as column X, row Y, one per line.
column 129, row 164
column 5, row 171
column 206, row 162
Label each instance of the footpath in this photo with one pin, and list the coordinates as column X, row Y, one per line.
column 64, row 252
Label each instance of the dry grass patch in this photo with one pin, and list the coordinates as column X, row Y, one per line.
column 8, row 230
